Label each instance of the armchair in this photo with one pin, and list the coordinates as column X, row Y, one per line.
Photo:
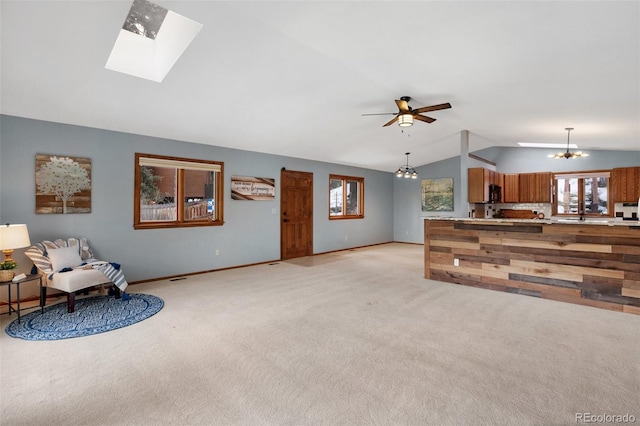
column 69, row 266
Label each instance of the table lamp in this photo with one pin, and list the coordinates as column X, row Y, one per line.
column 13, row 237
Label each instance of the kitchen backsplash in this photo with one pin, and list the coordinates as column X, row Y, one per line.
column 491, row 209
column 626, row 209
column 620, row 209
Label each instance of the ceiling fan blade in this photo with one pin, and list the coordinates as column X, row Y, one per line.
column 382, row 113
column 402, row 105
column 424, row 118
column 432, row 108
column 391, row 122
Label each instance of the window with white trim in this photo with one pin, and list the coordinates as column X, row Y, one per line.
column 177, row 192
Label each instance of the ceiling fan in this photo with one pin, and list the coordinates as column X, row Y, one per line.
column 406, row 114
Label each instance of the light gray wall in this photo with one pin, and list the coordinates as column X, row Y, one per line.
column 251, row 232
column 407, row 199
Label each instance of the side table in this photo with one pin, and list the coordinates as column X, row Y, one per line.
column 28, row 278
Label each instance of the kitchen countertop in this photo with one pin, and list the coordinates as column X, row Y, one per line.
column 547, row 221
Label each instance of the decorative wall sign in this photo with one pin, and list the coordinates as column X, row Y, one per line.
column 437, row 195
column 63, row 184
column 252, row 188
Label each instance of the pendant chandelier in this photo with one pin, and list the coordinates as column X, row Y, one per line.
column 568, row 154
column 407, row 171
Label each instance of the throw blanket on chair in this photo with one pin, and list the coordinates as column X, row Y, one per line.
column 39, row 255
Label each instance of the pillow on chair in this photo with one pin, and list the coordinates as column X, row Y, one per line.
column 64, row 257
column 38, row 253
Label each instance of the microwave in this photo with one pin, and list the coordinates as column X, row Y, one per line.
column 495, row 193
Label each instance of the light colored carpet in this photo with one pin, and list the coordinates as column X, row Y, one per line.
column 355, row 337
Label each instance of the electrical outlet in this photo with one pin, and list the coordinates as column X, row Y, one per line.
column 456, row 262
column 217, row 252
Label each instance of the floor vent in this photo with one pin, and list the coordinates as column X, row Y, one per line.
column 178, row 279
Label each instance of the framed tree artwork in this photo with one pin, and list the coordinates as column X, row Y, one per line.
column 63, row 184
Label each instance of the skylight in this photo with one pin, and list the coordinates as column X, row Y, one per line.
column 151, row 40
column 145, row 18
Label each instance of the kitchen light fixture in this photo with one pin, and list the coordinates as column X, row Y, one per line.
column 568, row 154
column 405, row 120
column 13, row 237
column 407, row 171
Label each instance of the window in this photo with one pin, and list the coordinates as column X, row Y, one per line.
column 346, row 197
column 582, row 193
column 177, row 192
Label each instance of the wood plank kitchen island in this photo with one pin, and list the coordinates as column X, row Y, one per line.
column 590, row 263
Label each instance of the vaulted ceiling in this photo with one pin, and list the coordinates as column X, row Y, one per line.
column 294, row 77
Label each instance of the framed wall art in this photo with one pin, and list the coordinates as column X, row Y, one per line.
column 63, row 184
column 252, row 188
column 437, row 195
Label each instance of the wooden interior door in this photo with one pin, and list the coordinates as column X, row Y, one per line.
column 296, row 214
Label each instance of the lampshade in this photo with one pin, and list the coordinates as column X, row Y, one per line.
column 13, row 237
column 405, row 120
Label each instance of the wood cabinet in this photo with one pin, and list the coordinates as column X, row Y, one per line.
column 625, row 185
column 476, row 185
column 544, row 185
column 535, row 187
column 511, row 188
column 526, row 187
column 498, row 179
column 480, row 180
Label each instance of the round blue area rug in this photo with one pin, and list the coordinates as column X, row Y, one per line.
column 92, row 315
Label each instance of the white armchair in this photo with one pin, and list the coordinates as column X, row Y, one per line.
column 69, row 266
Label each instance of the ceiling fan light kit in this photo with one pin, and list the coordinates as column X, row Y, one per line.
column 405, row 120
column 407, row 171
column 568, row 155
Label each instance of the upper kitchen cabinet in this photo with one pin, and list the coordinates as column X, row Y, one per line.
column 625, row 184
column 535, row 187
column 511, row 188
column 485, row 186
column 476, row 185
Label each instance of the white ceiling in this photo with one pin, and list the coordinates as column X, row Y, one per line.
column 294, row 78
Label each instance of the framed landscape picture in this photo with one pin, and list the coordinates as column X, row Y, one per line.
column 437, row 195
